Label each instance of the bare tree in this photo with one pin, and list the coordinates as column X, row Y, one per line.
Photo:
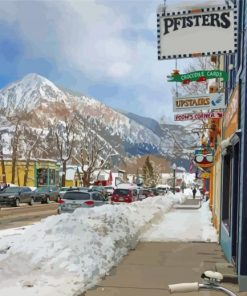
column 95, row 152
column 2, row 160
column 31, row 139
column 17, row 131
column 65, row 132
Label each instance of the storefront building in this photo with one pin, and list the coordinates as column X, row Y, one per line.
column 233, row 234
column 241, row 61
column 39, row 173
column 230, row 177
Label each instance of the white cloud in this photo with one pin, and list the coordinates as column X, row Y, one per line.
column 87, row 36
column 119, row 70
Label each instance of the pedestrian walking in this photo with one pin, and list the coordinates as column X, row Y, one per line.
column 194, row 192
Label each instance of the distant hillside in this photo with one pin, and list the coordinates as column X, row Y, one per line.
column 129, row 134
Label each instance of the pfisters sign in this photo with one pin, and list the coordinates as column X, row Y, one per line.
column 206, row 31
column 200, row 102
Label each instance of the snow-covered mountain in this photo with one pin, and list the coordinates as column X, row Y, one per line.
column 135, row 135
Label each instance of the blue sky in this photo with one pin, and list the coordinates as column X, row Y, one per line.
column 105, row 49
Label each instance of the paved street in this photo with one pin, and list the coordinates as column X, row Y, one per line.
column 25, row 215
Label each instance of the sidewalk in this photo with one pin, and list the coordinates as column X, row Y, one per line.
column 152, row 266
column 149, row 269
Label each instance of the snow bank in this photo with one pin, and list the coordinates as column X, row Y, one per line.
column 68, row 253
column 183, row 225
column 209, row 233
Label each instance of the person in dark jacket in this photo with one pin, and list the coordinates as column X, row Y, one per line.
column 194, row 192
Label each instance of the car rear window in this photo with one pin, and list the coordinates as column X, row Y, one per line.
column 73, row 195
column 121, row 191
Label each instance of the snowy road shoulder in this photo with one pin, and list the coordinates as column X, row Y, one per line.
column 66, row 254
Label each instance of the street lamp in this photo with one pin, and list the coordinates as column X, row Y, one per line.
column 174, row 177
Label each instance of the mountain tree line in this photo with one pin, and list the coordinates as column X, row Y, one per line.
column 68, row 138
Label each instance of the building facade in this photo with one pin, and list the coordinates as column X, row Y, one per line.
column 37, row 173
column 233, row 224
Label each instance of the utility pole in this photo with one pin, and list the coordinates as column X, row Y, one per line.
column 2, row 161
column 174, row 177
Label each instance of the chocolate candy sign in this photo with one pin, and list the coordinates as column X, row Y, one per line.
column 198, row 76
column 211, row 30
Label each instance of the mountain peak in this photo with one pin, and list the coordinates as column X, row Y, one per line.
column 36, row 79
column 27, row 92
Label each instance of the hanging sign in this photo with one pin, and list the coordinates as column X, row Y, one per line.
column 204, row 157
column 201, row 102
column 197, row 116
column 196, row 32
column 198, row 76
column 204, row 175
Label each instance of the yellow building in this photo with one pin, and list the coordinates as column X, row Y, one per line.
column 40, row 172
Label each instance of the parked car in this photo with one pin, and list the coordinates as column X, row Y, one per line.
column 100, row 189
column 177, row 189
column 80, row 199
column 141, row 194
column 45, row 194
column 109, row 190
column 147, row 192
column 13, row 196
column 124, row 195
column 65, row 189
column 62, row 191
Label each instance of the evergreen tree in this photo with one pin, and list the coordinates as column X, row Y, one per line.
column 148, row 173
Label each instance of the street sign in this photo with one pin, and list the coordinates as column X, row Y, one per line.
column 200, row 102
column 211, row 30
column 199, row 76
column 197, row 116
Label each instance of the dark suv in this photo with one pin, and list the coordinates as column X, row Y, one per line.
column 45, row 194
column 13, row 196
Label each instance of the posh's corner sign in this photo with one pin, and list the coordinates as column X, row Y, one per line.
column 197, row 116
column 207, row 31
column 199, row 76
column 202, row 102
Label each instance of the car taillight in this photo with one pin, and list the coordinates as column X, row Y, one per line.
column 89, row 203
column 61, row 201
column 128, row 198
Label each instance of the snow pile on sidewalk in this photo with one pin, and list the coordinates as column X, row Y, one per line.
column 66, row 254
column 208, row 231
column 184, row 225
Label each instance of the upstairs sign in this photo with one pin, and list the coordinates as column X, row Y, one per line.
column 201, row 102
column 206, row 31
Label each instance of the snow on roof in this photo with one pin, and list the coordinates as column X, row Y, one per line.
column 127, row 186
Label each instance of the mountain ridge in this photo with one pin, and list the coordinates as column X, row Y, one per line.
column 136, row 134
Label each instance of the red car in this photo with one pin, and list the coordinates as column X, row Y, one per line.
column 124, row 195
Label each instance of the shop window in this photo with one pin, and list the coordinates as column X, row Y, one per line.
column 52, row 177
column 42, row 177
